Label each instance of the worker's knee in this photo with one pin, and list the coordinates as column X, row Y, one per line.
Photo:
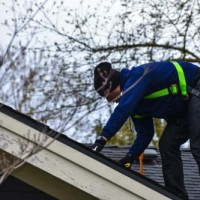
column 166, row 148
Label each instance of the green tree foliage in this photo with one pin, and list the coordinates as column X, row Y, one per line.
column 125, row 135
column 159, row 125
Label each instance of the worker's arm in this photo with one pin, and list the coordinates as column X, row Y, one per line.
column 145, row 131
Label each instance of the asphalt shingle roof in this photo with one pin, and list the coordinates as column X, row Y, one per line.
column 153, row 167
column 152, row 161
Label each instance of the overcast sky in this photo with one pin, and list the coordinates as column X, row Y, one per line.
column 4, row 15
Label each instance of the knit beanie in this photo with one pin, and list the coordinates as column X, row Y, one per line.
column 105, row 77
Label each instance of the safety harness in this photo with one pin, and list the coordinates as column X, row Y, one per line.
column 173, row 89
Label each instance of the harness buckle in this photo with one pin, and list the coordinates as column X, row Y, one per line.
column 174, row 89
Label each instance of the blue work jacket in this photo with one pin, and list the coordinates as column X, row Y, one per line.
column 139, row 82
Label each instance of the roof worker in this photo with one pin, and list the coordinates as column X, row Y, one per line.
column 169, row 90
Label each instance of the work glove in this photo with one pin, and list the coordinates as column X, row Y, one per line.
column 127, row 161
column 99, row 144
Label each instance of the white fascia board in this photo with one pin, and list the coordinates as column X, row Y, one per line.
column 72, row 166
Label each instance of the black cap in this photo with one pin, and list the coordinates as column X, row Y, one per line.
column 105, row 77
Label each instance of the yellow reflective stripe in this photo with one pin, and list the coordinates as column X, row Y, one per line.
column 181, row 77
column 157, row 94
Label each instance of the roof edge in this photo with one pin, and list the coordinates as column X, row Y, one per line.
column 87, row 151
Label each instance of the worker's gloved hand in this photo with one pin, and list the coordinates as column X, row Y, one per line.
column 99, row 144
column 127, row 161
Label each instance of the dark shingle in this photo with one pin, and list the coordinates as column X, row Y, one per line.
column 153, row 167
